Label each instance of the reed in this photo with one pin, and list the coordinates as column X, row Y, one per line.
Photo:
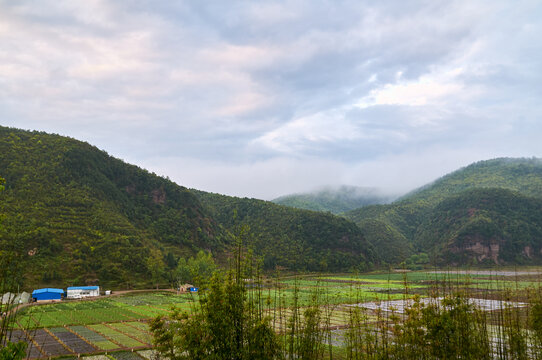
column 244, row 315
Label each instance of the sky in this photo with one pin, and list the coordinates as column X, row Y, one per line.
column 266, row 98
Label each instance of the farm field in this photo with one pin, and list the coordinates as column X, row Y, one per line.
column 120, row 323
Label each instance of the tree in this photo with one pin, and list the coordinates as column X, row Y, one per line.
column 182, row 273
column 201, row 267
column 156, row 266
column 227, row 323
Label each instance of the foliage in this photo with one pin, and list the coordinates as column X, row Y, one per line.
column 292, row 238
column 13, row 351
column 417, row 261
column 197, row 270
column 392, row 246
column 447, row 329
column 226, row 323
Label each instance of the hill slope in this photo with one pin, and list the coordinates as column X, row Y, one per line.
column 83, row 215
column 484, row 225
column 293, row 238
column 407, row 214
column 335, row 200
column 80, row 216
column 523, row 175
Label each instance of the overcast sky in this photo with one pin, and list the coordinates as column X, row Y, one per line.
column 265, row 98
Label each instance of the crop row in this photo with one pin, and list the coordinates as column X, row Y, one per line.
column 116, row 336
column 94, row 338
column 137, row 333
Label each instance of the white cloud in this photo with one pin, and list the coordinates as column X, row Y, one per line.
column 330, row 126
column 430, row 89
column 278, row 92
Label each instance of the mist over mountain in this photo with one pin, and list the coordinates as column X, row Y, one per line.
column 336, row 199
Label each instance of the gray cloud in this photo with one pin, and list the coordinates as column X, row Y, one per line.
column 262, row 99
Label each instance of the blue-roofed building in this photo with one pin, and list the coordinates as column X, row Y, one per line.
column 47, row 294
column 78, row 292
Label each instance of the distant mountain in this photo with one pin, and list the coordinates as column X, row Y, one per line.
column 335, row 199
column 411, row 216
column 79, row 216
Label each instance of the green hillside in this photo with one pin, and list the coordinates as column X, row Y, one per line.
column 335, row 200
column 79, row 216
column 484, row 225
column 293, row 238
column 83, row 216
column 410, row 216
column 523, row 175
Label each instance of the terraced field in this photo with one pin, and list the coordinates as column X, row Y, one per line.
column 134, row 331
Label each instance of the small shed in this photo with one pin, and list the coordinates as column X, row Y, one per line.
column 185, row 288
column 78, row 292
column 47, row 294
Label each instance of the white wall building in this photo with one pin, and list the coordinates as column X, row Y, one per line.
column 79, row 292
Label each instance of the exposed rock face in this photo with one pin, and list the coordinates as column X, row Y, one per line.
column 158, row 196
column 479, row 249
column 483, row 252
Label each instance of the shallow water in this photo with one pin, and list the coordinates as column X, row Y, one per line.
column 398, row 306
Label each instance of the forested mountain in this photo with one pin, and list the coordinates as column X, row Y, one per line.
column 294, row 238
column 523, row 175
column 335, row 199
column 411, row 216
column 80, row 216
column 76, row 215
column 83, row 216
column 485, row 225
